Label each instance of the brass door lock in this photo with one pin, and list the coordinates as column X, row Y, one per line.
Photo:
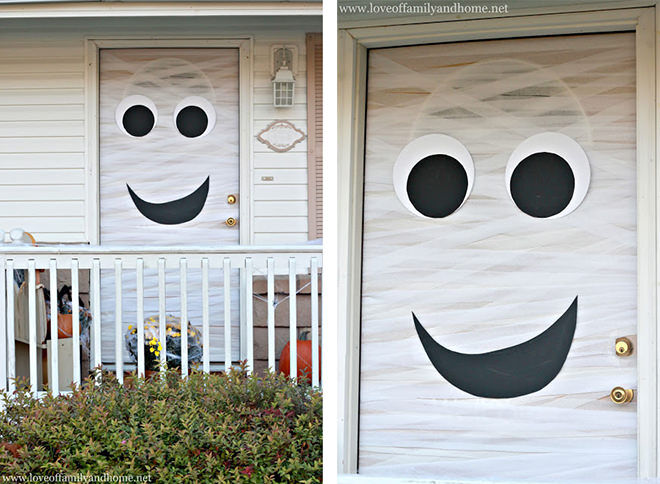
column 231, row 221
column 231, row 199
column 620, row 395
column 623, row 347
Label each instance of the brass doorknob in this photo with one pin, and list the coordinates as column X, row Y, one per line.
column 623, row 346
column 231, row 221
column 620, row 395
column 231, row 199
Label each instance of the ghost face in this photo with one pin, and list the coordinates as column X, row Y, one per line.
column 192, row 117
column 498, row 193
column 169, row 153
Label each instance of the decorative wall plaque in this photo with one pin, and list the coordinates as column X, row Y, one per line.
column 281, row 136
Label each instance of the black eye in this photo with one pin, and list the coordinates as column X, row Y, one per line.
column 548, row 175
column 433, row 175
column 192, row 121
column 136, row 115
column 138, row 120
column 542, row 185
column 437, row 186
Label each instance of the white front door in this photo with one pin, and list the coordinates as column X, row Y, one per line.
column 499, row 260
column 169, row 162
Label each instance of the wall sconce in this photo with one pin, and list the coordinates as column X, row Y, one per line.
column 283, row 61
column 283, row 87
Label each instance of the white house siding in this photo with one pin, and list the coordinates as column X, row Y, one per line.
column 42, row 127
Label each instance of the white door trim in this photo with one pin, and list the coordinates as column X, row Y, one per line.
column 92, row 47
column 353, row 51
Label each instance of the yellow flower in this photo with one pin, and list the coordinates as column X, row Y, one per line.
column 151, row 349
column 160, row 347
column 130, row 326
column 157, row 353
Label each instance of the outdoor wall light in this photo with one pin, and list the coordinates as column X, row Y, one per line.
column 283, row 87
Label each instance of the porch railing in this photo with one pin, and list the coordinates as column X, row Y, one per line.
column 247, row 262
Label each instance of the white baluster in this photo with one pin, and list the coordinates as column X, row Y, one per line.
column 206, row 338
column 162, row 317
column 3, row 324
column 271, row 312
column 293, row 330
column 183, row 277
column 314, row 295
column 96, row 318
column 248, row 314
column 54, row 342
column 140, row 315
column 11, row 344
column 226, row 268
column 32, row 321
column 75, row 320
column 119, row 354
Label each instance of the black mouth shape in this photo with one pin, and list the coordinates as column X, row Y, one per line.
column 175, row 212
column 510, row 372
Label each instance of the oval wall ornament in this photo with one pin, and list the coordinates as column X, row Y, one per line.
column 281, row 136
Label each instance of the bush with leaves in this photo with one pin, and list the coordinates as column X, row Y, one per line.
column 228, row 428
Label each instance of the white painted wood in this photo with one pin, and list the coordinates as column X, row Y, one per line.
column 268, row 225
column 270, row 301
column 647, row 228
column 75, row 328
column 157, row 9
column 246, row 133
column 3, row 326
column 249, row 323
column 226, row 272
column 352, row 59
column 314, row 323
column 119, row 337
column 95, row 340
column 281, row 208
column 139, row 323
column 150, row 255
column 162, row 315
column 10, row 344
column 206, row 340
column 32, row 322
column 293, row 330
column 488, row 276
column 183, row 282
column 54, row 363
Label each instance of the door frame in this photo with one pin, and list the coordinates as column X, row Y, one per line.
column 353, row 47
column 91, row 114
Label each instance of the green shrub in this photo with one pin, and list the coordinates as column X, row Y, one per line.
column 206, row 428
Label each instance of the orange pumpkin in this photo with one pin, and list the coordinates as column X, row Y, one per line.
column 303, row 357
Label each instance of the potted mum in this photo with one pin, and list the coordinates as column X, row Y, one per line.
column 153, row 345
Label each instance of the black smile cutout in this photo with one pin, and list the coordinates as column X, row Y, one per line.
column 510, row 372
column 174, row 212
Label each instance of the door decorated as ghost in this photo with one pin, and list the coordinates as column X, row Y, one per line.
column 499, row 259
column 169, row 170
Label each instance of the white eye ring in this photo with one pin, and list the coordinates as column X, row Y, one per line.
column 201, row 103
column 130, row 101
column 423, row 147
column 560, row 145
